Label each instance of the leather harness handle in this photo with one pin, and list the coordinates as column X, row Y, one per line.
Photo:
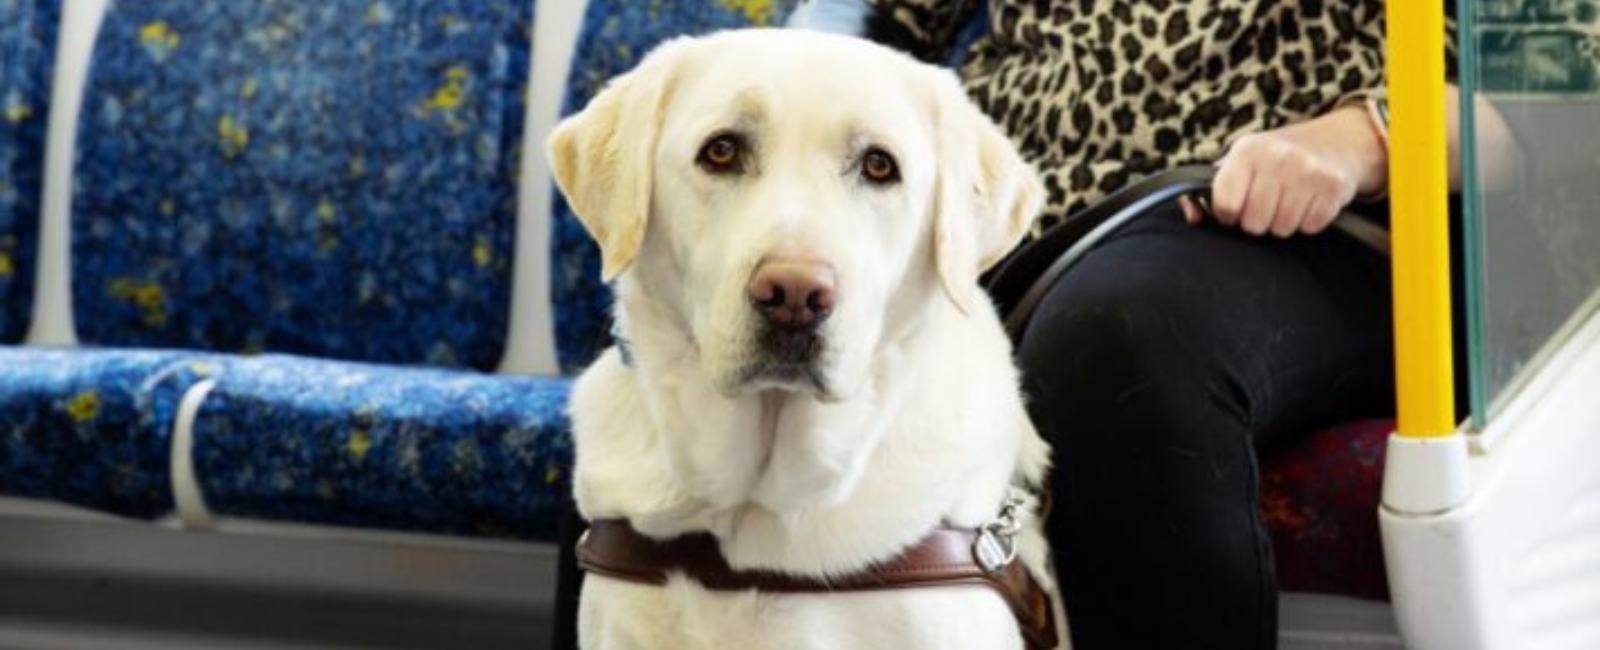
column 1020, row 283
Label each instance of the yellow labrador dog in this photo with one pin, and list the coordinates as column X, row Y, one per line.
column 808, row 372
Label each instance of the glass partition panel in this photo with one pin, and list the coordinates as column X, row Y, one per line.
column 1531, row 89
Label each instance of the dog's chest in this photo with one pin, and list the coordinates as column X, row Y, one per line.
column 618, row 615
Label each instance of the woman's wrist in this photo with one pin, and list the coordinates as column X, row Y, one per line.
column 1352, row 131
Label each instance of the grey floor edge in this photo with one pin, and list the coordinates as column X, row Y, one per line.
column 90, row 583
column 1318, row 622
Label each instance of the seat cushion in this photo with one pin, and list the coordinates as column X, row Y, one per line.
column 614, row 36
column 1320, row 499
column 333, row 178
column 93, row 427
column 27, row 52
column 302, row 440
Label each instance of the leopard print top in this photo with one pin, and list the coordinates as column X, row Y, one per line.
column 1099, row 93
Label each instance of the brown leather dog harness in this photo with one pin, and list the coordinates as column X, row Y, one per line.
column 946, row 557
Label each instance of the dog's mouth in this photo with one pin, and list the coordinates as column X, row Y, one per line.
column 788, row 360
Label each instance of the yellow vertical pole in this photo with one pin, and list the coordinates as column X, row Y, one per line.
column 1418, row 187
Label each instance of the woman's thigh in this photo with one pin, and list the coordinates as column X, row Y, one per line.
column 1283, row 336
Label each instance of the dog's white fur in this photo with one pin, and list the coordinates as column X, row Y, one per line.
column 912, row 417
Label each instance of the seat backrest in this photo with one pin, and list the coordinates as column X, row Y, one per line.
column 27, row 48
column 333, row 178
column 615, row 35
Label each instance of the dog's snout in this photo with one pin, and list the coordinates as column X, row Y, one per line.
column 793, row 293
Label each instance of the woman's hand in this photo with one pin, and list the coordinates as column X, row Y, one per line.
column 1297, row 178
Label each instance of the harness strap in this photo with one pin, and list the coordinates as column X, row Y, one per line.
column 612, row 548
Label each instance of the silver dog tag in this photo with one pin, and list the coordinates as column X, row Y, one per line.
column 993, row 552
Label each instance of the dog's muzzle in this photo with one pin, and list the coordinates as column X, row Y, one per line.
column 793, row 298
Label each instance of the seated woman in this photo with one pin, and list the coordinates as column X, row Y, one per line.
column 1190, row 340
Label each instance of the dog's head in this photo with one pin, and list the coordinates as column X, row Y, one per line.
column 790, row 199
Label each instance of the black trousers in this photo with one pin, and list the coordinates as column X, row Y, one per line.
column 1158, row 368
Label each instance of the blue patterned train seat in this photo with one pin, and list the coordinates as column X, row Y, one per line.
column 294, row 439
column 93, row 427
column 27, row 51
column 333, row 178
column 614, row 36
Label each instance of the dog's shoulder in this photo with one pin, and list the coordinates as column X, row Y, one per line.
column 610, row 427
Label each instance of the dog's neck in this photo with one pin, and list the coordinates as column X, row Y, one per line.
column 790, row 483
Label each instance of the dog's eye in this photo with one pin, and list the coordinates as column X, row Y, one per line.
column 722, row 154
column 877, row 166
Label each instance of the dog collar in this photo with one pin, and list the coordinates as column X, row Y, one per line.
column 946, row 557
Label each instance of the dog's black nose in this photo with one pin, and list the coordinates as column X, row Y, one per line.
column 793, row 293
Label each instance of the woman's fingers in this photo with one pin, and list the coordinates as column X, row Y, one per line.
column 1261, row 207
column 1320, row 215
column 1293, row 212
column 1231, row 187
column 1192, row 213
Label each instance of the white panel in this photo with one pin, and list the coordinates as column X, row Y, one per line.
column 530, row 344
column 1518, row 566
column 1555, row 593
column 52, row 307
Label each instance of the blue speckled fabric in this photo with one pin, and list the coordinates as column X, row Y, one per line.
column 615, row 35
column 93, row 427
column 295, row 439
column 333, row 178
column 27, row 54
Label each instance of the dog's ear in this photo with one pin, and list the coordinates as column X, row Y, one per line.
column 602, row 157
column 987, row 195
